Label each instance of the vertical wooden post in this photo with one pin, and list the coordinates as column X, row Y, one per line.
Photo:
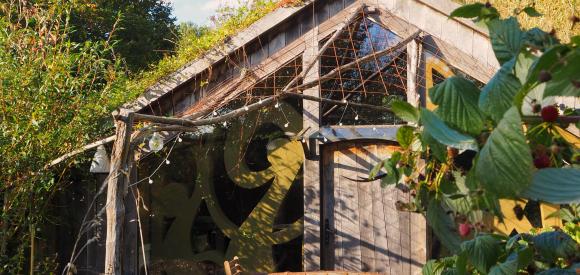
column 116, row 191
column 418, row 224
column 413, row 58
column 311, row 120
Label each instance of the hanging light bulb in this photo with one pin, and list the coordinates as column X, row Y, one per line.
column 179, row 139
column 277, row 105
column 287, row 124
column 167, row 162
column 246, row 108
column 156, row 142
column 150, row 181
column 344, row 100
column 303, row 140
column 340, row 123
column 225, row 123
column 356, row 117
column 325, row 139
column 214, row 113
column 260, row 100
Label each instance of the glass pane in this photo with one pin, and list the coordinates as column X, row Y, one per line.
column 377, row 81
column 229, row 190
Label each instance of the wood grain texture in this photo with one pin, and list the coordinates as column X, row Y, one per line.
column 351, row 214
column 310, row 121
column 365, row 205
column 116, row 191
column 371, row 235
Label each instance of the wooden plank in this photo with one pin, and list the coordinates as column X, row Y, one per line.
column 365, row 204
column 405, row 230
column 339, row 205
column 391, row 223
column 418, row 243
column 311, row 247
column 351, row 214
column 328, row 189
column 379, row 225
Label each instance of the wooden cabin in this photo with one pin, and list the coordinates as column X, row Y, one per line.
column 283, row 188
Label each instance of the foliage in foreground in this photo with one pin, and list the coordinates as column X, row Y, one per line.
column 56, row 94
column 505, row 141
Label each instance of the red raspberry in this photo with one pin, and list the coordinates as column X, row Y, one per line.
column 542, row 161
column 550, row 113
column 464, row 229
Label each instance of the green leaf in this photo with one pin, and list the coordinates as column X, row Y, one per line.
column 457, row 99
column 523, row 63
column 405, row 111
column 564, row 214
column 437, row 149
column 555, row 185
column 392, row 176
column 506, row 38
column 505, row 268
column 523, row 256
column 555, row 244
column 461, row 263
column 445, row 134
column 443, row 226
column 483, row 252
column 497, row 95
column 544, row 62
column 531, row 11
column 375, row 171
column 405, row 136
column 505, row 161
column 539, row 39
column 435, row 267
column 564, row 76
column 468, row 11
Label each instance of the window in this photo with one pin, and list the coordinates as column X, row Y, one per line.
column 378, row 81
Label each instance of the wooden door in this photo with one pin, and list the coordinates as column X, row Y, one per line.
column 362, row 229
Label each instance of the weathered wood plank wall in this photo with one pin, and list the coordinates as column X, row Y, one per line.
column 370, row 234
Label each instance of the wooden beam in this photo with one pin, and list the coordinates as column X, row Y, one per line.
column 79, row 151
column 116, row 190
column 365, row 58
column 336, row 34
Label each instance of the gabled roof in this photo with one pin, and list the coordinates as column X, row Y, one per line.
column 430, row 16
column 197, row 66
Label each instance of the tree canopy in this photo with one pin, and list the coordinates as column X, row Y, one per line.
column 144, row 30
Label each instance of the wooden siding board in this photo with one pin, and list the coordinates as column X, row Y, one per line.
column 379, row 225
column 330, row 190
column 418, row 243
column 351, row 217
column 311, row 247
column 392, row 228
column 365, row 203
column 405, row 230
column 340, row 209
column 464, row 38
column 480, row 48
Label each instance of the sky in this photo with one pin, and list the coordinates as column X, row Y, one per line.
column 197, row 11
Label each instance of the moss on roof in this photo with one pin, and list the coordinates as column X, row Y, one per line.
column 556, row 14
column 196, row 41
